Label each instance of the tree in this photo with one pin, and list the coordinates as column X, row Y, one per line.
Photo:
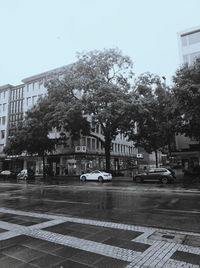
column 31, row 136
column 100, row 81
column 187, row 94
column 152, row 110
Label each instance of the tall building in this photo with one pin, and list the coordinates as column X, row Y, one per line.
column 189, row 49
column 71, row 157
column 189, row 45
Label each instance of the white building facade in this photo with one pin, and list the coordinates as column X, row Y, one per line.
column 189, row 49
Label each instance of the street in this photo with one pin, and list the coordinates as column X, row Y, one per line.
column 84, row 216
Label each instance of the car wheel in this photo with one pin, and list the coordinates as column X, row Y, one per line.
column 138, row 179
column 164, row 180
column 83, row 178
column 100, row 179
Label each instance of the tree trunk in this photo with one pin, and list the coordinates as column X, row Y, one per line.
column 107, row 147
column 169, row 146
column 156, row 154
column 44, row 169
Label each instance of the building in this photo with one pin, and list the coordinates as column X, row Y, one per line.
column 71, row 157
column 189, row 45
column 187, row 153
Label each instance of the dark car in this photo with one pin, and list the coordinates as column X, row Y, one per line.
column 7, row 174
column 162, row 175
column 172, row 172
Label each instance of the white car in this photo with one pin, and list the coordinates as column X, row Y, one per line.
column 96, row 175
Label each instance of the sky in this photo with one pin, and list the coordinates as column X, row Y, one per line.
column 40, row 35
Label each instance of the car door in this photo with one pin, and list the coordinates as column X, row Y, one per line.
column 152, row 175
column 93, row 175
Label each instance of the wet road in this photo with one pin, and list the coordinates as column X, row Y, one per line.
column 149, row 204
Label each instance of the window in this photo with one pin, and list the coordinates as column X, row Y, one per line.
column 93, row 144
column 2, row 134
column 184, row 40
column 40, row 82
column 194, row 38
column 28, row 101
column 34, row 99
column 1, row 148
column 185, row 59
column 194, row 56
column 3, row 120
column 4, row 107
column 89, row 143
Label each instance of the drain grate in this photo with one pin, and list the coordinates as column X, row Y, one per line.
column 168, row 237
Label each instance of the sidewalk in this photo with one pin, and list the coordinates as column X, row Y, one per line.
column 46, row 240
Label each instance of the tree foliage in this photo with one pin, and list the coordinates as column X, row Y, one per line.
column 31, row 137
column 187, row 94
column 97, row 86
column 153, row 111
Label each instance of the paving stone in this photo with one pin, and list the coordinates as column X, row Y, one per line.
column 47, row 260
column 99, row 237
column 107, row 262
column 192, row 240
column 87, row 257
column 67, row 252
column 26, row 265
column 13, row 250
column 8, row 262
column 79, row 234
column 91, row 243
column 72, row 264
column 136, row 246
column 114, row 242
column 27, row 254
column 32, row 242
column 49, row 247
column 186, row 257
column 13, row 241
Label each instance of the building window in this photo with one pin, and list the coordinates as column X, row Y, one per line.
column 2, row 134
column 40, row 82
column 184, row 40
column 88, row 143
column 93, row 144
column 194, row 56
column 34, row 99
column 1, row 148
column 28, row 101
column 194, row 38
column 3, row 120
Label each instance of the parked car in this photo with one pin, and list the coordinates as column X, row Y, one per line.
column 7, row 174
column 155, row 174
column 96, row 175
column 25, row 174
column 172, row 172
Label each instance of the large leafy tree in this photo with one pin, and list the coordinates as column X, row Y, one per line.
column 153, row 110
column 97, row 84
column 187, row 94
column 31, row 137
